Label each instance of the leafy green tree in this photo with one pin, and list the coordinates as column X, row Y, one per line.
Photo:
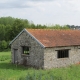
column 65, row 27
column 3, row 45
column 17, row 26
column 2, row 32
column 8, row 29
column 7, row 20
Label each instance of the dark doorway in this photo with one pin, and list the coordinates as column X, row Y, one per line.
column 15, row 55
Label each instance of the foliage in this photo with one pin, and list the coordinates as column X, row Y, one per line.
column 3, row 45
column 10, row 27
column 57, row 26
column 7, row 20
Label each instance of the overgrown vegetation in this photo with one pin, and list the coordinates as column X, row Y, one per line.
column 9, row 71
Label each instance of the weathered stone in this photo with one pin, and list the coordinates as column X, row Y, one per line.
column 40, row 57
column 36, row 51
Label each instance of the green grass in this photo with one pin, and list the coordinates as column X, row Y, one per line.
column 9, row 71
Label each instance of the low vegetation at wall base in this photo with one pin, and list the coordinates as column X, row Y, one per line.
column 9, row 71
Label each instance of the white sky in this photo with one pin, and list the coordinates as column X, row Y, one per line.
column 43, row 11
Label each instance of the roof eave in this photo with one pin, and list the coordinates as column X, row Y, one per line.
column 60, row 46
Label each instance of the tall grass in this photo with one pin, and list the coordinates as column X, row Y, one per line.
column 9, row 71
column 68, row 73
column 4, row 56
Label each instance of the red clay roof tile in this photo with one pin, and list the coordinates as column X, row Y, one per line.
column 54, row 38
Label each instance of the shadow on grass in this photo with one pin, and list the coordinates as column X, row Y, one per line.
column 5, row 65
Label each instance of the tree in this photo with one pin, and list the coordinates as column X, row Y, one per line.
column 17, row 26
column 7, row 20
column 2, row 32
column 3, row 45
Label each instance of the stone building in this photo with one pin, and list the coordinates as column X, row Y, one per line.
column 44, row 48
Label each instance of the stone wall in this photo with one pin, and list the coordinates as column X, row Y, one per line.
column 51, row 60
column 41, row 57
column 36, row 56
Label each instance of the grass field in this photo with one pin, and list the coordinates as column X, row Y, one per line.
column 10, row 71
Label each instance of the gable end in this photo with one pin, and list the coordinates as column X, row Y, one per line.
column 29, row 34
column 35, row 38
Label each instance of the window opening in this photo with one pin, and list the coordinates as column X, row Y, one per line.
column 62, row 53
column 26, row 50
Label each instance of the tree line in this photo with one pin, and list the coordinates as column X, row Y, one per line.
column 10, row 27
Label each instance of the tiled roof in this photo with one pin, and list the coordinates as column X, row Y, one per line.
column 56, row 38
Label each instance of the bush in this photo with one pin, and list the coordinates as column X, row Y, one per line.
column 4, row 45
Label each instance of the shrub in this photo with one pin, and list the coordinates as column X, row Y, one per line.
column 4, row 45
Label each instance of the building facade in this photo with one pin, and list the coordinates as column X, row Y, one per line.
column 39, row 49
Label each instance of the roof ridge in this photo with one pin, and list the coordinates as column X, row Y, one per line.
column 54, row 29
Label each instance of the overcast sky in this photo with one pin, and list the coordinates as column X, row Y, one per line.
column 43, row 11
